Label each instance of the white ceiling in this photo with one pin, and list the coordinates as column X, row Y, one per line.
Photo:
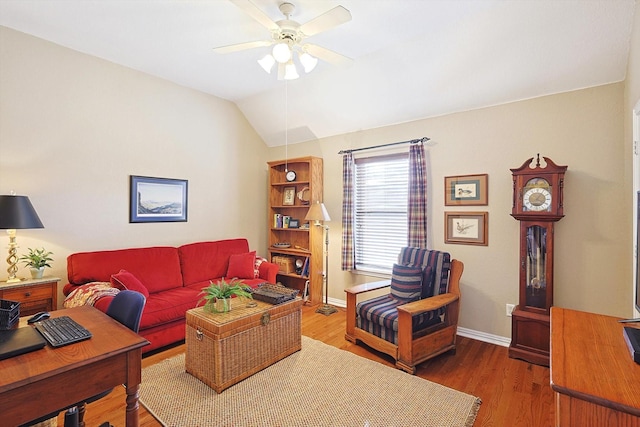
column 412, row 58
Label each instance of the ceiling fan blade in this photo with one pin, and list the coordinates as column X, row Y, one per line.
column 326, row 54
column 241, row 46
column 336, row 16
column 251, row 10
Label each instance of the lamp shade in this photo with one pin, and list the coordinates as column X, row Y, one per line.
column 17, row 212
column 317, row 212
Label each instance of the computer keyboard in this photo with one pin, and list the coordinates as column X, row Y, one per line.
column 63, row 330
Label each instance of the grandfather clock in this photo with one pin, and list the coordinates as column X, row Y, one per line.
column 538, row 205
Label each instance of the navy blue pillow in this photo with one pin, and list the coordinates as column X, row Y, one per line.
column 406, row 282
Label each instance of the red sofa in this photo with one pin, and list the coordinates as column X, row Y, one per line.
column 170, row 277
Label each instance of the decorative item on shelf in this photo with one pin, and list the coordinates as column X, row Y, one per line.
column 290, row 176
column 217, row 296
column 317, row 212
column 299, row 265
column 303, row 195
column 37, row 260
column 285, row 221
column 282, row 245
column 288, row 196
column 294, row 223
column 16, row 212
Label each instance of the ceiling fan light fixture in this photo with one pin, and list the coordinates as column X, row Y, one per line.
column 290, row 72
column 267, row 63
column 308, row 62
column 281, row 53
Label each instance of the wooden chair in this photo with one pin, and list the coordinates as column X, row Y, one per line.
column 409, row 331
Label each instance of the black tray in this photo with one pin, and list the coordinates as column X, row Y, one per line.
column 274, row 294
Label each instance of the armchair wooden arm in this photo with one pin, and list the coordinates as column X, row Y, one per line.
column 428, row 304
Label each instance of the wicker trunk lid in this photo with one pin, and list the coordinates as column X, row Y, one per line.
column 222, row 349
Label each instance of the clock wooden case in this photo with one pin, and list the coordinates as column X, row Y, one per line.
column 538, row 205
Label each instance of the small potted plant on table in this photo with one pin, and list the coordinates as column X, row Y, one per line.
column 217, row 296
column 37, row 260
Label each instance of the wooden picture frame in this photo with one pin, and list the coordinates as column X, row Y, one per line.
column 288, row 196
column 157, row 199
column 466, row 190
column 466, row 228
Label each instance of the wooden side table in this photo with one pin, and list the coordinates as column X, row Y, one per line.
column 34, row 295
column 595, row 380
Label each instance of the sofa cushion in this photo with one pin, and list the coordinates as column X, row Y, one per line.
column 204, row 261
column 168, row 306
column 242, row 266
column 406, row 282
column 157, row 267
column 125, row 280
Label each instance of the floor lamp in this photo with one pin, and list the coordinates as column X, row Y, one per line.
column 317, row 212
column 16, row 212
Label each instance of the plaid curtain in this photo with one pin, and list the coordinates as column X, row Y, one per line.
column 348, row 250
column 417, row 203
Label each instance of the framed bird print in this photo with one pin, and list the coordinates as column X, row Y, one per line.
column 466, row 190
column 466, row 228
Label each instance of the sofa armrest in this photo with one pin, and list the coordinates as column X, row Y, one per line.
column 268, row 271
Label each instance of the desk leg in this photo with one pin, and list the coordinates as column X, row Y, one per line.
column 134, row 378
column 132, row 406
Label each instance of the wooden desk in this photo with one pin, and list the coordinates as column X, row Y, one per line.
column 43, row 381
column 596, row 381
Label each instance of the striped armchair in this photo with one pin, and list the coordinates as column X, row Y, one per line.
column 418, row 318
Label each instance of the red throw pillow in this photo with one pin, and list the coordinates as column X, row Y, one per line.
column 125, row 280
column 242, row 265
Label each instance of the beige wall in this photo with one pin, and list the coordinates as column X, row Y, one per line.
column 74, row 127
column 581, row 129
column 632, row 99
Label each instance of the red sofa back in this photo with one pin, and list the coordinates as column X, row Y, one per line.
column 203, row 261
column 158, row 268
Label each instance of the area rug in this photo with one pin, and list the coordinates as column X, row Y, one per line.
column 318, row 386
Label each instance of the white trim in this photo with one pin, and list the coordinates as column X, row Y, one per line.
column 484, row 337
column 635, row 155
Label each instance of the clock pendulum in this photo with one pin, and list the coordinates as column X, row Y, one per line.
column 538, row 205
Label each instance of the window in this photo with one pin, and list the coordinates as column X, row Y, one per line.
column 380, row 210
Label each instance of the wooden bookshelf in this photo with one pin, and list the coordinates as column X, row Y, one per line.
column 306, row 241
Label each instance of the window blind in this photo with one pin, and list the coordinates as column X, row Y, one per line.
column 380, row 202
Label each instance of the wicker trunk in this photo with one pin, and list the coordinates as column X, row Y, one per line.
column 225, row 348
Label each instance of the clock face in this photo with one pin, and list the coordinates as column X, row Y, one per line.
column 537, row 199
column 290, row 176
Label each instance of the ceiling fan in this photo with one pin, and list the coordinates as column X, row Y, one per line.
column 288, row 36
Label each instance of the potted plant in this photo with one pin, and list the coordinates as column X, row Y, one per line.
column 217, row 296
column 37, row 260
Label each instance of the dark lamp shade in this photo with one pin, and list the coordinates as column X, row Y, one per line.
column 17, row 212
column 317, row 212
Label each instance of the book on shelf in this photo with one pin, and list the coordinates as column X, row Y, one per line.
column 305, row 268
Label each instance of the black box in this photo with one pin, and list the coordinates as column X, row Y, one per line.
column 632, row 337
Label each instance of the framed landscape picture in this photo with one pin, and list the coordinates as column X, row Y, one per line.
column 468, row 228
column 157, row 199
column 466, row 190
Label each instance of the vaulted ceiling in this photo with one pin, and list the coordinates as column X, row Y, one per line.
column 412, row 59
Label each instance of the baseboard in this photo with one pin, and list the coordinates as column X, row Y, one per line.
column 484, row 337
column 463, row 332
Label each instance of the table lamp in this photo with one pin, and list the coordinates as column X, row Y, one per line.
column 317, row 213
column 16, row 212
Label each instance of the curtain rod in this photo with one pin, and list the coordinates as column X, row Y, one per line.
column 413, row 141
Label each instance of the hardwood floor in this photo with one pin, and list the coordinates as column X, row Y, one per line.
column 514, row 393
